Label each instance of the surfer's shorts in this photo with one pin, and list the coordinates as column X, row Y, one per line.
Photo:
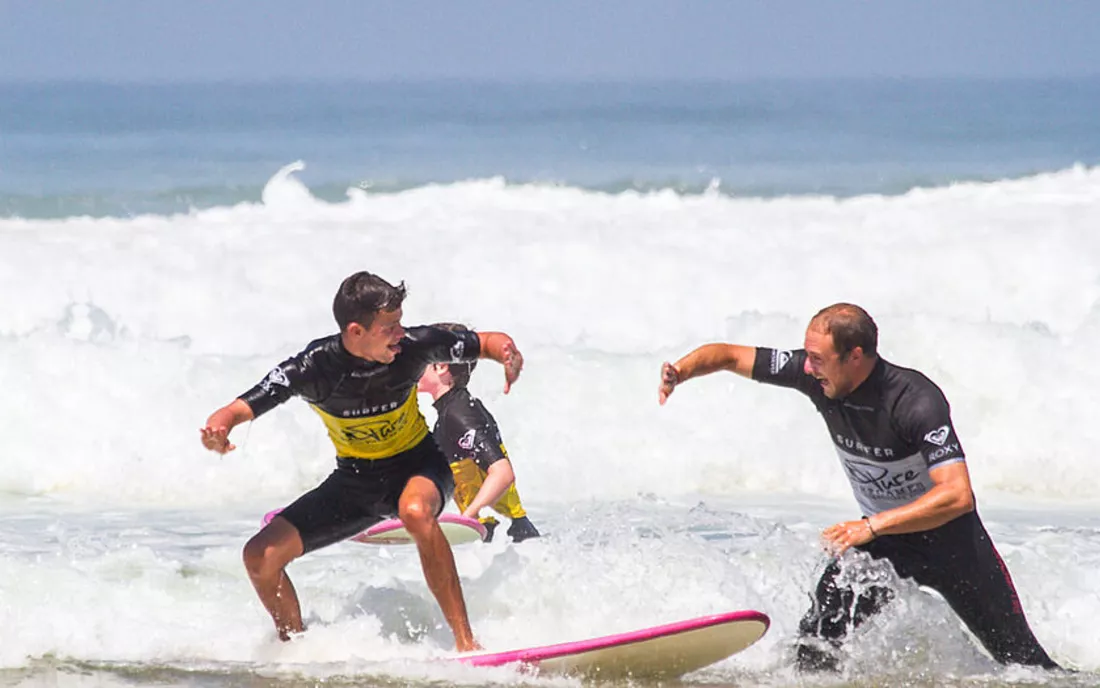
column 362, row 492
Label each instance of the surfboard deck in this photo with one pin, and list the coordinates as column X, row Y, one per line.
column 665, row 651
column 456, row 528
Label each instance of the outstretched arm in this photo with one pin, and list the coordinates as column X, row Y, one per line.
column 215, row 436
column 500, row 347
column 705, row 360
column 497, row 482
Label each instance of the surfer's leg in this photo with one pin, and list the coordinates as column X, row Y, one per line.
column 265, row 558
column 418, row 508
column 836, row 608
column 976, row 583
column 509, row 505
column 326, row 514
column 468, row 479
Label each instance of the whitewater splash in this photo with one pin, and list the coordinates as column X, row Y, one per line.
column 120, row 558
column 120, row 335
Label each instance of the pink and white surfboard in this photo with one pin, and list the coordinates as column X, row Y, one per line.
column 456, row 528
column 661, row 651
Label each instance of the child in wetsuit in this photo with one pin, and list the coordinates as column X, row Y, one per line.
column 471, row 441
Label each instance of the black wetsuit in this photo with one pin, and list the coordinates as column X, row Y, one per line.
column 469, row 437
column 371, row 412
column 465, row 429
column 889, row 433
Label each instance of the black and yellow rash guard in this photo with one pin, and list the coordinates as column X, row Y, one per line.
column 470, row 439
column 369, row 408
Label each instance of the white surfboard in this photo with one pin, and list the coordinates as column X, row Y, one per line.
column 659, row 652
column 456, row 528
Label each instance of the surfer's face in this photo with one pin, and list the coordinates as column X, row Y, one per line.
column 837, row 376
column 380, row 341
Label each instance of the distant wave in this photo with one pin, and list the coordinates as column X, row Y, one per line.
column 186, row 199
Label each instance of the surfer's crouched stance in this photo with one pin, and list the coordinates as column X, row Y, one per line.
column 362, row 383
column 891, row 427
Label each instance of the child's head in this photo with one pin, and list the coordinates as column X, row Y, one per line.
column 442, row 376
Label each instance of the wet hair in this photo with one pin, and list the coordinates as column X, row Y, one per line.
column 362, row 296
column 850, row 326
column 460, row 372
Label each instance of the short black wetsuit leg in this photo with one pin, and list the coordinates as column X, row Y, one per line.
column 362, row 492
column 959, row 561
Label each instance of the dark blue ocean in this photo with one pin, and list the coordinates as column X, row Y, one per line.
column 101, row 149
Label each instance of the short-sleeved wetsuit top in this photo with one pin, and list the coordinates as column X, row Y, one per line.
column 466, row 430
column 370, row 409
column 888, row 433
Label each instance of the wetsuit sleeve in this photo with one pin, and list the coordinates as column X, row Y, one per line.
column 784, row 369
column 923, row 417
column 296, row 376
column 436, row 345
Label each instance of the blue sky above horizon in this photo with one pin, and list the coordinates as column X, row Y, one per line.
column 207, row 40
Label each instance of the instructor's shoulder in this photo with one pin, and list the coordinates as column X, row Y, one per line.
column 915, row 391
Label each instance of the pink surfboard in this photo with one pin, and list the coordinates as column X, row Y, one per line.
column 661, row 651
column 456, row 528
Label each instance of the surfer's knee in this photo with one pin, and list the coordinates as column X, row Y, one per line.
column 262, row 558
column 417, row 515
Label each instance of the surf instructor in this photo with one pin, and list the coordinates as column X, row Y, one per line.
column 892, row 429
column 362, row 383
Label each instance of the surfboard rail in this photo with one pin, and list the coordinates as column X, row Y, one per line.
column 621, row 654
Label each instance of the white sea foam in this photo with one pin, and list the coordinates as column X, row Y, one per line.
column 119, row 336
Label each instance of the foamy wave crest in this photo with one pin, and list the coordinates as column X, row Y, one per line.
column 121, row 335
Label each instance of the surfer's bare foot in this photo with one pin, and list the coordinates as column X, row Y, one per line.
column 286, row 634
column 468, row 646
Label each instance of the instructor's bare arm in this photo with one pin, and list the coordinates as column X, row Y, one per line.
column 949, row 498
column 215, row 436
column 707, row 359
column 500, row 347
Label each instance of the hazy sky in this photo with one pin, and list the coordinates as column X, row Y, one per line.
column 155, row 40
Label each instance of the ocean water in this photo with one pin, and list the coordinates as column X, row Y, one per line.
column 161, row 247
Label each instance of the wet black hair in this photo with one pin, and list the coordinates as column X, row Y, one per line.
column 362, row 296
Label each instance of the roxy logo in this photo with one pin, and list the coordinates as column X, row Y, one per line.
column 467, row 440
column 779, row 360
column 457, row 350
column 275, row 377
column 939, row 435
column 944, row 451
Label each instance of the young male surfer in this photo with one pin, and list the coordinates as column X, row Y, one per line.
column 362, row 383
